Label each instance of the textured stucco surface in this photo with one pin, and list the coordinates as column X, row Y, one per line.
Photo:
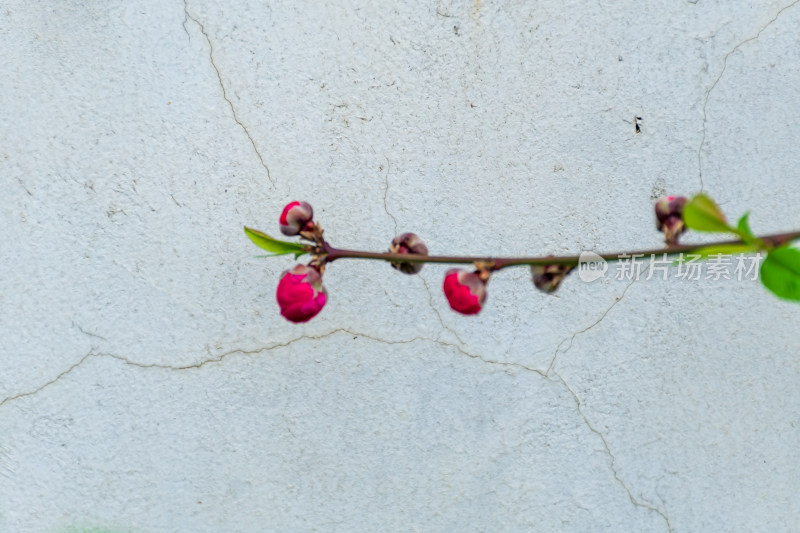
column 149, row 384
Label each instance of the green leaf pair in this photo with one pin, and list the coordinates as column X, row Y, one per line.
column 274, row 246
column 780, row 271
column 703, row 214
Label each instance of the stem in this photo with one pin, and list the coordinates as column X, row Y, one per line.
column 332, row 254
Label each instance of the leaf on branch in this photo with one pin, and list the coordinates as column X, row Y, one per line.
column 274, row 246
column 745, row 233
column 703, row 214
column 780, row 272
column 743, row 227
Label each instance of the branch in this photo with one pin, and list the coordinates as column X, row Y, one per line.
column 331, row 254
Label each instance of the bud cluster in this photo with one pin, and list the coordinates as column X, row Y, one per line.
column 300, row 293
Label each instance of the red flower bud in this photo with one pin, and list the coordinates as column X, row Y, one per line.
column 296, row 217
column 408, row 243
column 465, row 291
column 548, row 278
column 300, row 293
column 669, row 211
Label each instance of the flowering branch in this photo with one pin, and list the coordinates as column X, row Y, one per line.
column 301, row 295
column 331, row 254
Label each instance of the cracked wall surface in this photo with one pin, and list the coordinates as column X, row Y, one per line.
column 149, row 383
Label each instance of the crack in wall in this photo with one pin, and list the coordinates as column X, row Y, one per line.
column 424, row 281
column 386, row 192
column 88, row 333
column 552, row 377
column 54, row 380
column 587, row 328
column 187, row 17
column 22, row 184
column 199, row 364
column 219, row 358
column 438, row 314
column 716, row 81
column 507, row 364
column 613, row 460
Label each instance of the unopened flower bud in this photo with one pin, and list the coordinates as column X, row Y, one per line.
column 408, row 243
column 300, row 293
column 296, row 217
column 465, row 291
column 669, row 211
column 548, row 278
column 668, row 206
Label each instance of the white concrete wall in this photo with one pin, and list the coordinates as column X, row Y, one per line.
column 149, row 384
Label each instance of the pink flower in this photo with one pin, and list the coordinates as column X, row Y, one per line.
column 296, row 217
column 300, row 293
column 465, row 291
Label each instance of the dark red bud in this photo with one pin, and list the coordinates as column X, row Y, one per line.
column 669, row 211
column 408, row 243
column 548, row 278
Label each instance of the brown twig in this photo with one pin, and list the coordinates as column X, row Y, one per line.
column 330, row 254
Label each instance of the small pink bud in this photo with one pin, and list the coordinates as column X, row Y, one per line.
column 296, row 217
column 408, row 243
column 548, row 278
column 300, row 293
column 465, row 291
column 669, row 211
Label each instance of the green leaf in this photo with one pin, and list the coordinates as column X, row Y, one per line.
column 702, row 214
column 780, row 272
column 724, row 249
column 743, row 226
column 744, row 231
column 276, row 247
